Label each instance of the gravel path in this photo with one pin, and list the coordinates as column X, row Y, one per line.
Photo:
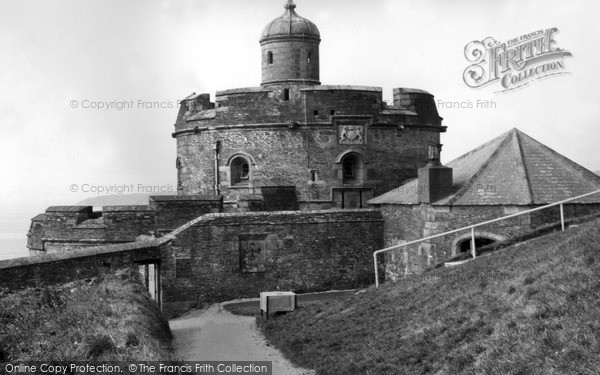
column 215, row 334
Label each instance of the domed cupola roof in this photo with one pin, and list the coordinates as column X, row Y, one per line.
column 290, row 24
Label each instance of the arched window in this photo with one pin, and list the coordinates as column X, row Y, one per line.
column 483, row 239
column 269, row 57
column 352, row 168
column 240, row 170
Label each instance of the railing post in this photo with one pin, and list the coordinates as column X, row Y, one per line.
column 562, row 217
column 376, row 271
column 473, row 242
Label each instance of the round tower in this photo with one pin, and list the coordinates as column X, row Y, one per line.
column 290, row 50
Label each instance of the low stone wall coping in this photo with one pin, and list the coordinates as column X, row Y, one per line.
column 69, row 208
column 171, row 198
column 342, row 88
column 243, row 90
column 86, row 252
column 131, row 208
column 277, row 215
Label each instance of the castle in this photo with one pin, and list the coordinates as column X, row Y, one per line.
column 292, row 143
column 292, row 185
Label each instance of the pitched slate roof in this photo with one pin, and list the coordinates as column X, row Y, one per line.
column 512, row 169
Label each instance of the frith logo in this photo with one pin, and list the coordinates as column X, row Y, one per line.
column 515, row 63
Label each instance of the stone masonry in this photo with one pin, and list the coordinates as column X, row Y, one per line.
column 219, row 257
column 339, row 146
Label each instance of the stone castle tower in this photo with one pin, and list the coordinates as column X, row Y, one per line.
column 292, row 143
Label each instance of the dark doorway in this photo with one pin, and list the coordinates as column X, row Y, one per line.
column 352, row 169
column 465, row 245
column 150, row 274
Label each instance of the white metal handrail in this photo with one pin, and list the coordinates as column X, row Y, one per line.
column 472, row 227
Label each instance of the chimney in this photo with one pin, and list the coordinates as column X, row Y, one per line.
column 435, row 180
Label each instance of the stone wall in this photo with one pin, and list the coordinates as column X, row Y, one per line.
column 290, row 60
column 219, row 256
column 404, row 223
column 79, row 264
column 268, row 105
column 36, row 233
column 66, row 228
column 312, row 164
column 570, row 211
column 417, row 101
column 172, row 211
column 443, row 218
column 208, row 261
column 71, row 227
column 300, row 141
column 279, row 198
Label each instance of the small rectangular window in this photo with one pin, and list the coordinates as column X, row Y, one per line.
column 316, row 112
column 286, row 94
column 332, row 112
column 183, row 268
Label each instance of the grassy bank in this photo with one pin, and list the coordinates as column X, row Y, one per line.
column 110, row 318
column 533, row 308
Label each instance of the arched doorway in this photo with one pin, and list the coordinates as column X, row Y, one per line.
column 352, row 168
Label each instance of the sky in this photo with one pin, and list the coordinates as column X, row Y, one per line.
column 61, row 60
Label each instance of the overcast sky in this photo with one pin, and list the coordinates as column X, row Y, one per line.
column 60, row 54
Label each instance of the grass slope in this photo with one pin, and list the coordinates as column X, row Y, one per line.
column 533, row 308
column 103, row 319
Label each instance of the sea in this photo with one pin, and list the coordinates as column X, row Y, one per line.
column 13, row 245
column 13, row 238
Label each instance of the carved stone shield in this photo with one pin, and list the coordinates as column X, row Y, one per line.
column 351, row 134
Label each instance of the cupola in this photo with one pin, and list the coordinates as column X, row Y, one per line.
column 290, row 50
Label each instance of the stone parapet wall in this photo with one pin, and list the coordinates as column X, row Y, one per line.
column 258, row 105
column 65, row 228
column 172, row 211
column 302, row 251
column 68, row 228
column 223, row 256
column 49, row 269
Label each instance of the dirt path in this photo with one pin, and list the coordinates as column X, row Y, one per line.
column 215, row 334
